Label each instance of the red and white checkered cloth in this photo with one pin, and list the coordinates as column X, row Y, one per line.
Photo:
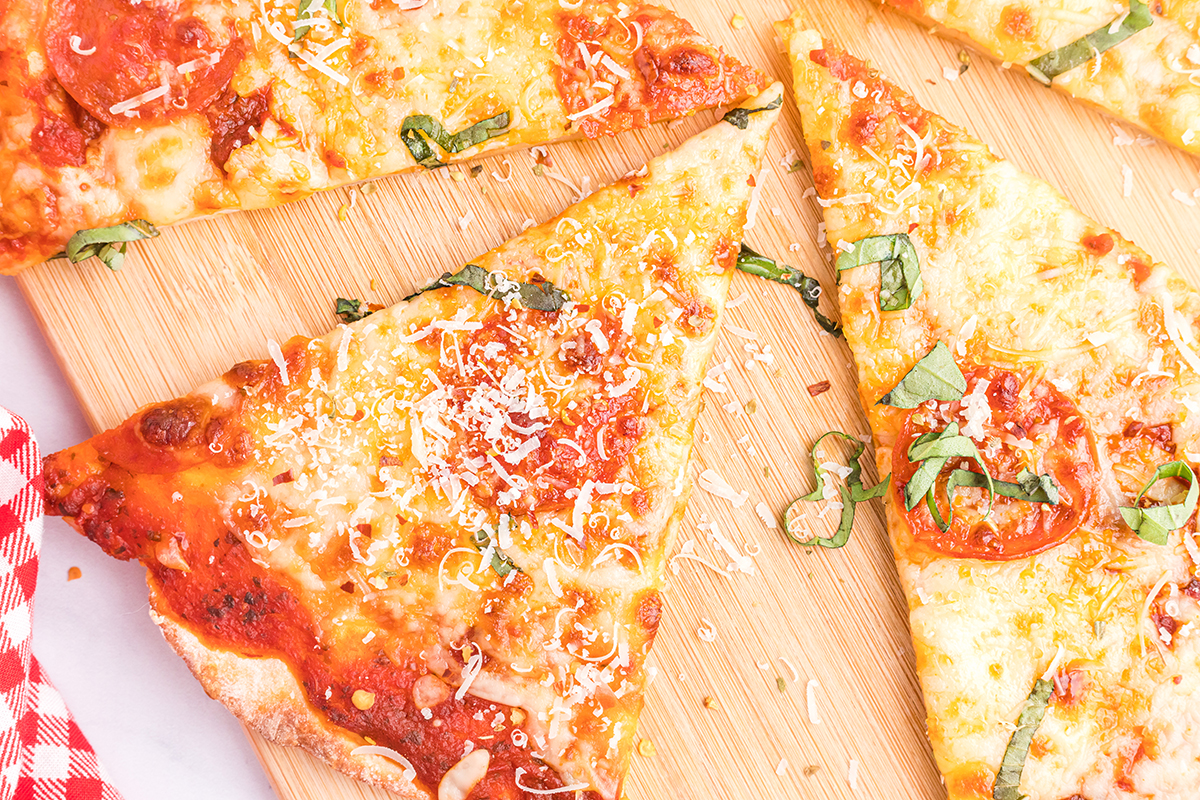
column 43, row 755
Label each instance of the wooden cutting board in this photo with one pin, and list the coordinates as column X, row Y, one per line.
column 199, row 298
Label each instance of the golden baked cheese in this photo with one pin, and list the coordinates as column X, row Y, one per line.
column 1043, row 350
column 1141, row 63
column 428, row 546
column 112, row 112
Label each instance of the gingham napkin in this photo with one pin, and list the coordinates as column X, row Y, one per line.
column 43, row 755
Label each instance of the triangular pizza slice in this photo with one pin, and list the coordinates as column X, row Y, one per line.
column 1139, row 61
column 119, row 117
column 428, row 546
column 1030, row 379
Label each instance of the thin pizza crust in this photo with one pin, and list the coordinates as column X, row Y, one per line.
column 264, row 694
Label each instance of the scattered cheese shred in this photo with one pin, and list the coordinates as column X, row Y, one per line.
column 573, row 787
column 280, row 361
column 711, row 481
column 593, row 109
column 145, row 97
column 386, row 752
column 811, row 694
column 470, row 672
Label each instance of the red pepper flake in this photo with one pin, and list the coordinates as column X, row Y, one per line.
column 348, row 587
column 74, row 574
column 364, row 529
column 1178, row 679
column 818, row 388
column 750, row 180
column 912, row 226
column 389, row 461
column 283, row 477
column 358, row 416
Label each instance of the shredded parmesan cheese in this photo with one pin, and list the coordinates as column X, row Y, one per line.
column 470, row 672
column 386, row 752
column 711, row 481
column 280, row 361
column 574, row 787
column 593, row 109
column 811, row 695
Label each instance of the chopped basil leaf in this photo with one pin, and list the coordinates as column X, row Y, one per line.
column 1029, row 487
column 899, row 268
column 1155, row 523
column 1008, row 779
column 418, row 130
column 1047, row 67
column 108, row 244
column 740, row 117
column 501, row 563
column 544, row 296
column 851, row 493
column 351, row 310
column 753, row 263
column 305, row 16
column 934, row 450
column 934, row 377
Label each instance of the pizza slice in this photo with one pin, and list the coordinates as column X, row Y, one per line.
column 119, row 117
column 1139, row 61
column 1030, row 380
column 428, row 546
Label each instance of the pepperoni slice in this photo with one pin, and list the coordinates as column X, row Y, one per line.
column 1033, row 426
column 153, row 60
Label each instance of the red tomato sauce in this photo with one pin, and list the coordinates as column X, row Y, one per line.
column 231, row 602
column 673, row 72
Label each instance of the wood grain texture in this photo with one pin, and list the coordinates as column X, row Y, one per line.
column 192, row 302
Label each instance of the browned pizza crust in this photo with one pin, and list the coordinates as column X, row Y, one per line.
column 265, row 695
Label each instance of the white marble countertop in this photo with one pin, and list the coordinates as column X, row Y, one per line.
column 153, row 727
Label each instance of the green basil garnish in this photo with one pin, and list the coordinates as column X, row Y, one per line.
column 544, row 296
column 1155, row 523
column 934, row 450
column 1008, row 779
column 351, row 310
column 753, row 263
column 304, row 22
column 934, row 377
column 899, row 268
column 418, row 130
column 108, row 244
column 1047, row 67
column 852, row 493
column 740, row 117
column 501, row 563
column 1030, row 487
